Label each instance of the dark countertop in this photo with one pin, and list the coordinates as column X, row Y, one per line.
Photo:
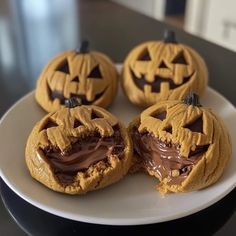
column 33, row 32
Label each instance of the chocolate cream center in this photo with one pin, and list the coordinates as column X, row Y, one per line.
column 165, row 158
column 83, row 153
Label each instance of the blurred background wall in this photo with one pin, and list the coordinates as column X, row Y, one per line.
column 27, row 23
column 214, row 20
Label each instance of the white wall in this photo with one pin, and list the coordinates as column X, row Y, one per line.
column 214, row 20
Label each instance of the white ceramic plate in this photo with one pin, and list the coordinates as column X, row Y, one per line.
column 133, row 200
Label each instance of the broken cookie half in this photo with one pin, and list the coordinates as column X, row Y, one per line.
column 184, row 145
column 78, row 149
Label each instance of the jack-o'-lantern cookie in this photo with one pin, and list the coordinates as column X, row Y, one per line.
column 91, row 77
column 184, row 145
column 78, row 149
column 159, row 70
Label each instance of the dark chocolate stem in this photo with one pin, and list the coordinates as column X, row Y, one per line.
column 192, row 99
column 72, row 102
column 84, row 48
column 169, row 36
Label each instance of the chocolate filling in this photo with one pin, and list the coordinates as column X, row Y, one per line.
column 165, row 158
column 83, row 153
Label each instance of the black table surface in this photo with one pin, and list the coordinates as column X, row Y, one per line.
column 31, row 33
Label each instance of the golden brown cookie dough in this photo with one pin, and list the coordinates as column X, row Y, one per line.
column 159, row 70
column 80, row 149
column 185, row 146
column 89, row 76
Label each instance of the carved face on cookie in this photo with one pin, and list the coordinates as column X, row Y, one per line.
column 160, row 70
column 80, row 149
column 184, row 145
column 89, row 76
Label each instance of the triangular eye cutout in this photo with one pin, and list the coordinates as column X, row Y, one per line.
column 64, row 67
column 162, row 65
column 76, row 79
column 160, row 115
column 50, row 124
column 95, row 73
column 168, row 129
column 180, row 59
column 145, row 56
column 77, row 123
column 94, row 115
column 196, row 126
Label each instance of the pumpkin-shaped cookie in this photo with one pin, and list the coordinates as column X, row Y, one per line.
column 184, row 145
column 161, row 70
column 91, row 77
column 79, row 149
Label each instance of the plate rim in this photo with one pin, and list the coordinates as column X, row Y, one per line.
column 104, row 220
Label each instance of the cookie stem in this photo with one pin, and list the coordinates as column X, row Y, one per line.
column 169, row 36
column 84, row 47
column 192, row 99
column 72, row 102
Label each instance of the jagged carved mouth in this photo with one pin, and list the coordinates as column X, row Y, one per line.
column 140, row 82
column 81, row 97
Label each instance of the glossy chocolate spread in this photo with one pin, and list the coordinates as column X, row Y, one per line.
column 165, row 158
column 83, row 153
